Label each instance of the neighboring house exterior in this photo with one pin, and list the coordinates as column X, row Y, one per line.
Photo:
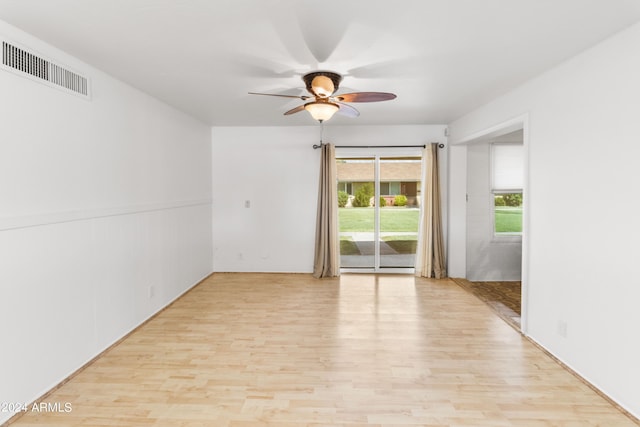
column 396, row 177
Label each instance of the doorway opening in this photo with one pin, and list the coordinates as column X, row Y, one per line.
column 495, row 199
column 379, row 209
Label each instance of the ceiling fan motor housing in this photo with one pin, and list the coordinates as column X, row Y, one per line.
column 322, row 83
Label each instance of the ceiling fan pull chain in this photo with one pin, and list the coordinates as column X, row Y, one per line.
column 321, row 132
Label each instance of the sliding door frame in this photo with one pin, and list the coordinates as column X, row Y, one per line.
column 376, row 153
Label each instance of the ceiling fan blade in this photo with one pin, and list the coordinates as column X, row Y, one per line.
column 294, row 110
column 347, row 110
column 364, row 97
column 302, row 97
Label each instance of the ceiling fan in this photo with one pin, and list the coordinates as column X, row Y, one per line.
column 322, row 85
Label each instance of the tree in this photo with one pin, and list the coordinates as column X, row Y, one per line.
column 512, row 199
column 343, row 198
column 363, row 195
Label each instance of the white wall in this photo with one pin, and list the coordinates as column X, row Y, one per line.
column 101, row 203
column 489, row 257
column 583, row 150
column 276, row 169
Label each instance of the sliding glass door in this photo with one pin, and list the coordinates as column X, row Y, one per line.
column 399, row 211
column 356, row 215
column 379, row 207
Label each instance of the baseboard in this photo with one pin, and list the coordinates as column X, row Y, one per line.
column 103, row 352
column 582, row 379
column 461, row 282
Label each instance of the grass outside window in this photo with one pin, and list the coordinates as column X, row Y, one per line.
column 508, row 219
column 391, row 219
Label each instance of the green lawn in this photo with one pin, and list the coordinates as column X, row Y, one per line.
column 391, row 219
column 404, row 246
column 401, row 244
column 508, row 219
column 348, row 246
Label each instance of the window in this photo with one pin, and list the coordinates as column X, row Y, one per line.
column 344, row 186
column 384, row 189
column 507, row 176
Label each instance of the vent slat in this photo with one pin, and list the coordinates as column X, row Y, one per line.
column 26, row 62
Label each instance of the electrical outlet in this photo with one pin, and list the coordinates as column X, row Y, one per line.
column 247, row 204
column 152, row 291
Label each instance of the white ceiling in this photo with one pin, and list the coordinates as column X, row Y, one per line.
column 442, row 58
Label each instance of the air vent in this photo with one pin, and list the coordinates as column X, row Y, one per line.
column 24, row 62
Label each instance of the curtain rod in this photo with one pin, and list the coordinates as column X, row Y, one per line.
column 377, row 146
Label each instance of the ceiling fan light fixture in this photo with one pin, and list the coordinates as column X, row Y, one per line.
column 322, row 86
column 321, row 111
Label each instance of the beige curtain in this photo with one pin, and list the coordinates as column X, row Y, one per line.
column 430, row 260
column 327, row 254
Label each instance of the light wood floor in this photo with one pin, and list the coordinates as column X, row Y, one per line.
column 245, row 350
